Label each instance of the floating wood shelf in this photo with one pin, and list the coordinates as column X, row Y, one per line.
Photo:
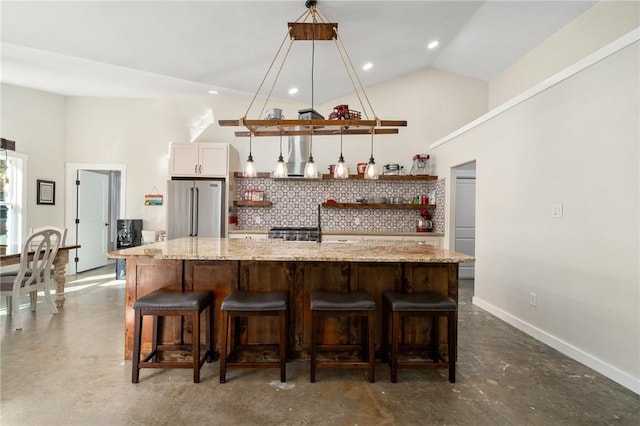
column 351, row 177
column 318, row 127
column 242, row 203
column 379, row 206
column 387, row 177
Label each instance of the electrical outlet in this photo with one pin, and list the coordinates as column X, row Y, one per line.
column 258, row 220
column 556, row 210
column 533, row 299
column 356, row 221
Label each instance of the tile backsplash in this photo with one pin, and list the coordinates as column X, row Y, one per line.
column 295, row 203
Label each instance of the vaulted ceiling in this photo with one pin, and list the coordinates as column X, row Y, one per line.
column 180, row 48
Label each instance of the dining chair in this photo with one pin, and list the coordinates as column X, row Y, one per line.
column 33, row 274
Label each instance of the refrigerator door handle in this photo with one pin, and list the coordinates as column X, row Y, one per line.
column 196, row 208
column 190, row 212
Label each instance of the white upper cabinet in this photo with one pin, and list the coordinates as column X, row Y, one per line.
column 199, row 159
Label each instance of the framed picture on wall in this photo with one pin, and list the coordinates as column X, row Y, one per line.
column 46, row 192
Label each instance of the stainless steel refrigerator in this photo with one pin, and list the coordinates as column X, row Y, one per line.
column 195, row 208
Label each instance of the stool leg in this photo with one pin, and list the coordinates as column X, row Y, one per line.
column 155, row 338
column 137, row 337
column 283, row 346
column 452, row 326
column 223, row 346
column 395, row 337
column 313, row 354
column 435, row 339
column 209, row 332
column 384, row 344
column 371, row 326
column 195, row 347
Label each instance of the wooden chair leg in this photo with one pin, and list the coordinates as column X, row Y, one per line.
column 33, row 299
column 137, row 340
column 155, row 338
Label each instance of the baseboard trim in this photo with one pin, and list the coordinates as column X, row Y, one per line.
column 569, row 350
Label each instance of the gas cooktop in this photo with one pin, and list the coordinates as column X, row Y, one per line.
column 295, row 233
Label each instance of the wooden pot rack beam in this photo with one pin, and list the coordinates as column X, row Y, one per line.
column 320, row 127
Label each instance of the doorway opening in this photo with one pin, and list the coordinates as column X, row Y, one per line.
column 95, row 199
column 465, row 215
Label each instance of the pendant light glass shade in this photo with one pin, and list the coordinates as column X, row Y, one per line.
column 281, row 167
column 250, row 167
column 311, row 168
column 341, row 171
column 371, row 172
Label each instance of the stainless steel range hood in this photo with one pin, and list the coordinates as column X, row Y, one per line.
column 297, row 155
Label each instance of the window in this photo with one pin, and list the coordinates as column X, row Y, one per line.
column 12, row 197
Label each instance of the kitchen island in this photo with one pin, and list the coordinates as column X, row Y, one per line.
column 222, row 265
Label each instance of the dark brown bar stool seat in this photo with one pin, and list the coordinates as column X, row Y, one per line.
column 248, row 304
column 161, row 303
column 358, row 304
column 424, row 304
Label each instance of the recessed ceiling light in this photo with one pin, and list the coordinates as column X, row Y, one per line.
column 213, row 92
column 433, row 44
column 293, row 90
column 367, row 66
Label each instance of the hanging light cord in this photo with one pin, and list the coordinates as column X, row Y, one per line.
column 341, row 157
column 250, row 138
column 371, row 158
column 280, row 158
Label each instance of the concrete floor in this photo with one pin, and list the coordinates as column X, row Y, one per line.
column 68, row 369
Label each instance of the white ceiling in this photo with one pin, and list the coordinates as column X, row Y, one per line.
column 179, row 48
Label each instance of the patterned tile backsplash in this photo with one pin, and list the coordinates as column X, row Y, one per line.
column 295, row 203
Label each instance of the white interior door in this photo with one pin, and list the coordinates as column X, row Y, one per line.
column 465, row 205
column 93, row 216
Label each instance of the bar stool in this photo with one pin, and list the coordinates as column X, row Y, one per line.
column 357, row 304
column 423, row 304
column 249, row 304
column 161, row 303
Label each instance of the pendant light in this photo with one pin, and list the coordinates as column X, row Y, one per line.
column 281, row 167
column 249, row 167
column 341, row 171
column 371, row 172
column 311, row 169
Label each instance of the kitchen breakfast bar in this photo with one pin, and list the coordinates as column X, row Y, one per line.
column 221, row 265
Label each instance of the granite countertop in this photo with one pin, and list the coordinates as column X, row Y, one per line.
column 364, row 233
column 278, row 250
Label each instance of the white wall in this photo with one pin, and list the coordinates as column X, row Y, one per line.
column 577, row 143
column 597, row 27
column 36, row 121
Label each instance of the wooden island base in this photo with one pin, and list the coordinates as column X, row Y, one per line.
column 298, row 278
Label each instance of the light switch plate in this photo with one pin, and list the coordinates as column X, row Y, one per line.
column 556, row 210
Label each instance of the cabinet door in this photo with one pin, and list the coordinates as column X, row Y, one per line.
column 213, row 159
column 183, row 160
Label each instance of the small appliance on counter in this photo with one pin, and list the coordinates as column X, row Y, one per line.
column 420, row 165
column 129, row 234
